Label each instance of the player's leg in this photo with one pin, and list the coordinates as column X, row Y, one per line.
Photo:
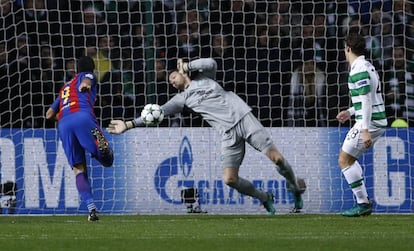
column 352, row 148
column 232, row 152
column 282, row 166
column 93, row 140
column 259, row 138
column 75, row 153
column 85, row 190
column 243, row 186
column 231, row 178
column 105, row 154
column 352, row 171
column 353, row 174
column 77, row 159
column 295, row 184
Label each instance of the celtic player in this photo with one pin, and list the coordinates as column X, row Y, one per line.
column 368, row 108
column 233, row 119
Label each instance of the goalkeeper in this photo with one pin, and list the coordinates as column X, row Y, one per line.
column 78, row 128
column 232, row 117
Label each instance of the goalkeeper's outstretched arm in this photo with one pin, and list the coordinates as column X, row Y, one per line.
column 173, row 106
column 177, row 103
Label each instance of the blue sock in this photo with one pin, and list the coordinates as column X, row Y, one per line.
column 85, row 191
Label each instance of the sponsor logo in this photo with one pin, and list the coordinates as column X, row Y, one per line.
column 211, row 191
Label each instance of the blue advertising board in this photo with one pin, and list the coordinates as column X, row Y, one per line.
column 153, row 165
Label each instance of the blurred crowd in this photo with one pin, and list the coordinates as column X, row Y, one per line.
column 284, row 58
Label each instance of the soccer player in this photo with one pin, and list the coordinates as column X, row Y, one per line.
column 368, row 108
column 79, row 130
column 232, row 117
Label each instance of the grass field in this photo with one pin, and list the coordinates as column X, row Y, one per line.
column 208, row 232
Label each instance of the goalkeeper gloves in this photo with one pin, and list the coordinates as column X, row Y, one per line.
column 182, row 67
column 119, row 126
column 129, row 124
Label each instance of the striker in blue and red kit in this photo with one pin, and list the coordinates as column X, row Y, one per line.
column 78, row 126
column 79, row 130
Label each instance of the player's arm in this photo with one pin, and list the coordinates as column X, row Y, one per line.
column 52, row 111
column 51, row 114
column 118, row 126
column 345, row 115
column 366, row 107
column 208, row 66
column 173, row 106
column 85, row 85
column 203, row 64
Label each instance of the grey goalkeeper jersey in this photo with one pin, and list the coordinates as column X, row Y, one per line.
column 221, row 109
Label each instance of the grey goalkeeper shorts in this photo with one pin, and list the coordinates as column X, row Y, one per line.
column 233, row 142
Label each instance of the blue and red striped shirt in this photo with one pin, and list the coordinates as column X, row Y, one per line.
column 71, row 100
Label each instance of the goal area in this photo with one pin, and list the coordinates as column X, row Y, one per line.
column 284, row 58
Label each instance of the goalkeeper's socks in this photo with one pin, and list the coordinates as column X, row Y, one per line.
column 285, row 169
column 85, row 191
column 353, row 175
column 246, row 187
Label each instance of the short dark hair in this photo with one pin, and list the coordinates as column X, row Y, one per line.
column 356, row 42
column 85, row 64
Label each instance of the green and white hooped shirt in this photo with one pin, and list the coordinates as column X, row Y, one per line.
column 363, row 80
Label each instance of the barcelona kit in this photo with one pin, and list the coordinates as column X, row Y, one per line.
column 77, row 123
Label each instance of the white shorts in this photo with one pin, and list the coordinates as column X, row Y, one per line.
column 353, row 144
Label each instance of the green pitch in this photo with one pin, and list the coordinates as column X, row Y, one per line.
column 208, row 232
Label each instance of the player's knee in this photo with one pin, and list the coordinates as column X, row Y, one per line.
column 79, row 168
column 344, row 162
column 341, row 162
column 275, row 156
column 230, row 180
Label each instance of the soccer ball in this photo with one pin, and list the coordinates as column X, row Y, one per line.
column 152, row 114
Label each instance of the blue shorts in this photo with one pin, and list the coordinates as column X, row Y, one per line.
column 75, row 132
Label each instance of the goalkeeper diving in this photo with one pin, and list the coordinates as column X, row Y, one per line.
column 233, row 119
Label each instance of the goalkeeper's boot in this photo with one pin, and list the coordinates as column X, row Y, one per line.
column 93, row 216
column 297, row 194
column 361, row 209
column 100, row 141
column 268, row 204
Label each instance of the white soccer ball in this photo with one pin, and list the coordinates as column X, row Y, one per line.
column 152, row 114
